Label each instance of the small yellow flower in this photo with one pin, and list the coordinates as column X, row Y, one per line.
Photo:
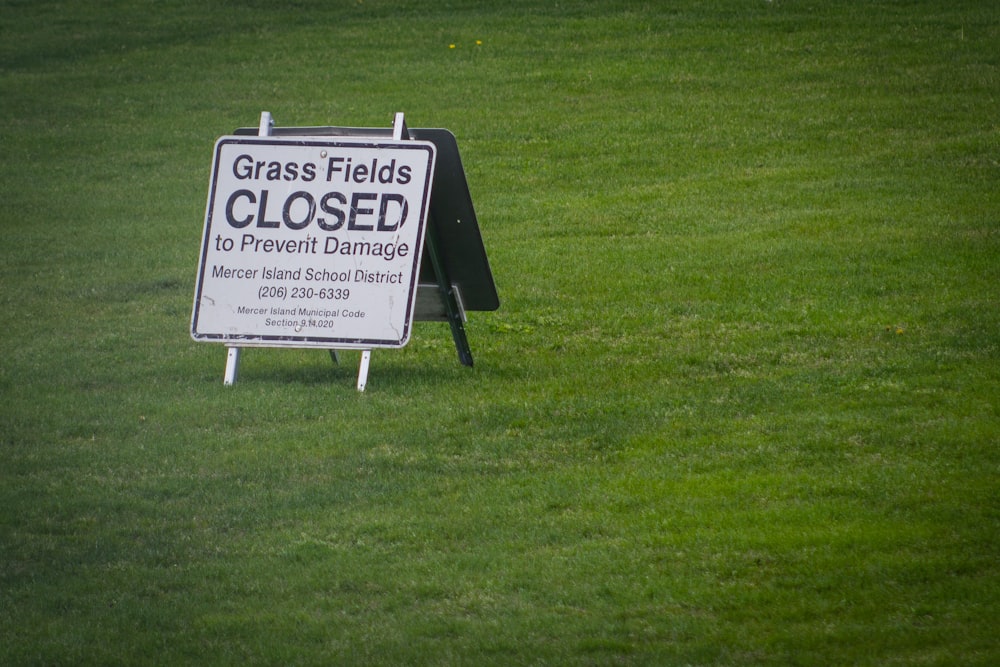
column 479, row 42
column 451, row 46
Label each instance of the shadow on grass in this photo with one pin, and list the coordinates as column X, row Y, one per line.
column 317, row 368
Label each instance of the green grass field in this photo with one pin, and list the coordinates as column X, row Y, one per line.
column 740, row 404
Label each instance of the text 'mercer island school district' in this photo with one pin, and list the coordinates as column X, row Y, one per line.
column 312, row 241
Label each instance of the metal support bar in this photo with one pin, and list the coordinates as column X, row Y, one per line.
column 366, row 356
column 399, row 132
column 232, row 366
column 456, row 317
column 233, row 353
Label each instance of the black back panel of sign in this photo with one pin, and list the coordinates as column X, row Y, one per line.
column 452, row 216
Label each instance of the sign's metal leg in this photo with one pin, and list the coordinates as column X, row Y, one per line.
column 232, row 366
column 399, row 129
column 366, row 356
column 233, row 355
column 399, row 132
column 454, row 309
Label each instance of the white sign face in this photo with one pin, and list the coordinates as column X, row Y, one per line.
column 312, row 241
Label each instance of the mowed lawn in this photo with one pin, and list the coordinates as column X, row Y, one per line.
column 739, row 405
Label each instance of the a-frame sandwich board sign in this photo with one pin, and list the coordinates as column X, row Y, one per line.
column 454, row 274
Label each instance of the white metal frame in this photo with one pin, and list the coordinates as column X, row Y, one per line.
column 233, row 351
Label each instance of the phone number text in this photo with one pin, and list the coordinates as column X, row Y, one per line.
column 282, row 292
